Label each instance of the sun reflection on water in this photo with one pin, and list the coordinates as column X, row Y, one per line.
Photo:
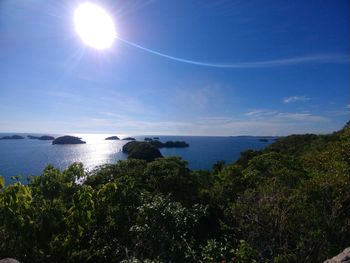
column 97, row 150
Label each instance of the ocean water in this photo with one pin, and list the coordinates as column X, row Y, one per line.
column 29, row 157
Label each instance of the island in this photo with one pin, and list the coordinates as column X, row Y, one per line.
column 43, row 138
column 46, row 138
column 129, row 139
column 148, row 139
column 169, row 144
column 111, row 138
column 13, row 137
column 148, row 150
column 263, row 140
column 141, row 150
column 155, row 138
column 67, row 139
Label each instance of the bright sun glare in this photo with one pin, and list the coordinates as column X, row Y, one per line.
column 94, row 26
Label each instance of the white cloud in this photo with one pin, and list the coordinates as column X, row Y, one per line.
column 260, row 113
column 292, row 99
column 215, row 119
column 197, row 97
column 301, row 117
column 254, row 112
column 339, row 112
column 256, row 122
column 277, row 124
column 271, row 115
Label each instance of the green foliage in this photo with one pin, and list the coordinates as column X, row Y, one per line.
column 170, row 175
column 293, row 144
column 287, row 203
column 244, row 253
column 165, row 230
column 215, row 251
column 2, row 182
column 218, row 166
column 246, row 156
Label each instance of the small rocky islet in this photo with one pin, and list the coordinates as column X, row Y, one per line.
column 19, row 137
column 111, row 138
column 12, row 137
column 169, row 144
column 129, row 139
column 67, row 139
column 43, row 138
column 263, row 140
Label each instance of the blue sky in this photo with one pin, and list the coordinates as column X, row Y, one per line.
column 290, row 74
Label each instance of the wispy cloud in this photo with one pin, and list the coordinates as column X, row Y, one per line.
column 260, row 113
column 272, row 115
column 301, row 117
column 339, row 112
column 292, row 99
column 197, row 97
column 314, row 59
column 213, row 120
column 278, row 124
column 129, row 7
column 343, row 111
column 254, row 113
column 127, row 104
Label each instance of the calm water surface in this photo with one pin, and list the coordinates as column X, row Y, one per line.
column 29, row 157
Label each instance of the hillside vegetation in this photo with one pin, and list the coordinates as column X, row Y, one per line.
column 287, row 203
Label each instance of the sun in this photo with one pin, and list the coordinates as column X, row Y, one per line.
column 94, row 26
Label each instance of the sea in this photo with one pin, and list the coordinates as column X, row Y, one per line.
column 27, row 157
